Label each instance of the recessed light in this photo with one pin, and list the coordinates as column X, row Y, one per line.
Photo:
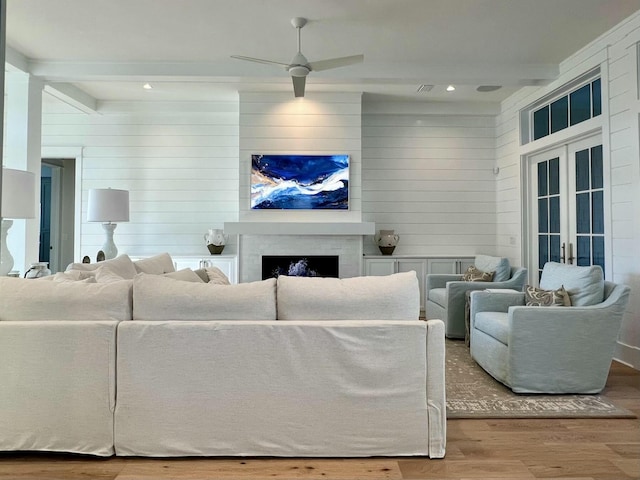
column 488, row 88
column 450, row 88
column 147, row 86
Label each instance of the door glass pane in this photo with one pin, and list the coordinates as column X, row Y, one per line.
column 554, row 248
column 541, row 123
column 598, row 251
column 554, row 214
column 596, row 167
column 597, row 102
column 597, row 220
column 560, row 114
column 554, row 176
column 582, row 170
column 542, row 179
column 543, row 215
column 580, row 105
column 583, row 217
column 543, row 250
column 584, row 250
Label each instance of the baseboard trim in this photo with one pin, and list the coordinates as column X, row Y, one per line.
column 627, row 354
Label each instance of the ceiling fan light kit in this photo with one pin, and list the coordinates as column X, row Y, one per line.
column 299, row 67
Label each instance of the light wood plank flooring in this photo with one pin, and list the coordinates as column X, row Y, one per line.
column 580, row 449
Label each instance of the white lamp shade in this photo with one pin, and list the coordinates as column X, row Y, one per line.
column 108, row 205
column 18, row 194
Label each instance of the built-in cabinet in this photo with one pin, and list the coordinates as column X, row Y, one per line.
column 227, row 263
column 387, row 265
column 449, row 265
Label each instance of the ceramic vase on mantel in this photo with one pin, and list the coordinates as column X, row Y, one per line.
column 215, row 240
column 386, row 241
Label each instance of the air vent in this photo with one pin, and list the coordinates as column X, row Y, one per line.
column 424, row 88
column 488, row 88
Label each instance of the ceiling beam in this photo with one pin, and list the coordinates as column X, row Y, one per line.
column 73, row 96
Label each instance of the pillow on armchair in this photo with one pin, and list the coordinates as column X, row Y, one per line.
column 499, row 265
column 475, row 275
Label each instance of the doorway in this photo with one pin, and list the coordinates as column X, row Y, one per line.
column 567, row 220
column 57, row 212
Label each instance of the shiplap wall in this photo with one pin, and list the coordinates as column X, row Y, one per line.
column 321, row 123
column 616, row 53
column 180, row 164
column 430, row 178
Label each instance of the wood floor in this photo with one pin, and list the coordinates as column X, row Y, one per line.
column 578, row 449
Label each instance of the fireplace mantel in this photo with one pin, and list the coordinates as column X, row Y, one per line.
column 299, row 228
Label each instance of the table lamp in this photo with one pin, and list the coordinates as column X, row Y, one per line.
column 18, row 201
column 108, row 205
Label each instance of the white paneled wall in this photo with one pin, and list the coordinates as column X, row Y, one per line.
column 430, row 178
column 616, row 53
column 181, row 168
column 322, row 123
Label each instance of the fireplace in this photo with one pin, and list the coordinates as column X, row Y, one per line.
column 300, row 265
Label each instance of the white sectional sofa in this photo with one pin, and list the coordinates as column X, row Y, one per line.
column 155, row 366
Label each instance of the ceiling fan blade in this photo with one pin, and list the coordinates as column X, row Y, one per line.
column 260, row 60
column 298, row 86
column 335, row 62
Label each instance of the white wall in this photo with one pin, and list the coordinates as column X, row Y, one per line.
column 430, row 178
column 616, row 54
column 179, row 162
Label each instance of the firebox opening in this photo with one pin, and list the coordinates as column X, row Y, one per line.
column 300, row 265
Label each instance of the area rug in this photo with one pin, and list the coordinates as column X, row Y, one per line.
column 473, row 393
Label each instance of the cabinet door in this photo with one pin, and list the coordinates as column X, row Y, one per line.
column 379, row 266
column 420, row 267
column 442, row 265
column 465, row 263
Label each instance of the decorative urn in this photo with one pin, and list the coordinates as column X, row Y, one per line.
column 386, row 241
column 215, row 240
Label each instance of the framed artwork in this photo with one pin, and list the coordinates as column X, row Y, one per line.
column 300, row 182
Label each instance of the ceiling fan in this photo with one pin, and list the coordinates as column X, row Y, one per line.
column 300, row 67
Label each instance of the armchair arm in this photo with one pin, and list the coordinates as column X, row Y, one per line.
column 439, row 280
column 516, row 282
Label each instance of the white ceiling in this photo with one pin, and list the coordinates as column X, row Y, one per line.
column 109, row 48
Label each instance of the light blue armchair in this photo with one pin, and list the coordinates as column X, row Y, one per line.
column 445, row 294
column 554, row 349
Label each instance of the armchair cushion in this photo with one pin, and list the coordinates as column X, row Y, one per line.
column 495, row 324
column 438, row 295
column 499, row 265
column 585, row 285
column 537, row 297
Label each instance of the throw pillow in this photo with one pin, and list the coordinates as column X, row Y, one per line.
column 474, row 275
column 64, row 277
column 538, row 297
column 156, row 265
column 185, row 275
column 216, row 276
column 105, row 275
column 499, row 265
column 121, row 265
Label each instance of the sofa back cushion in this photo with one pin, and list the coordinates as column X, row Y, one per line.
column 121, row 265
column 27, row 299
column 499, row 265
column 585, row 285
column 391, row 297
column 157, row 297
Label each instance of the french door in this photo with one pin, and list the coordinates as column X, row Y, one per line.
column 567, row 205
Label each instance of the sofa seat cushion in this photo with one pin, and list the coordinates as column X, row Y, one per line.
column 438, row 296
column 585, row 285
column 156, row 297
column 389, row 297
column 494, row 324
column 499, row 265
column 26, row 299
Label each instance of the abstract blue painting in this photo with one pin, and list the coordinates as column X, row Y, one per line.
column 300, row 182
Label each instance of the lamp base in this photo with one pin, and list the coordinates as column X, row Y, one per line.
column 109, row 248
column 6, row 259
